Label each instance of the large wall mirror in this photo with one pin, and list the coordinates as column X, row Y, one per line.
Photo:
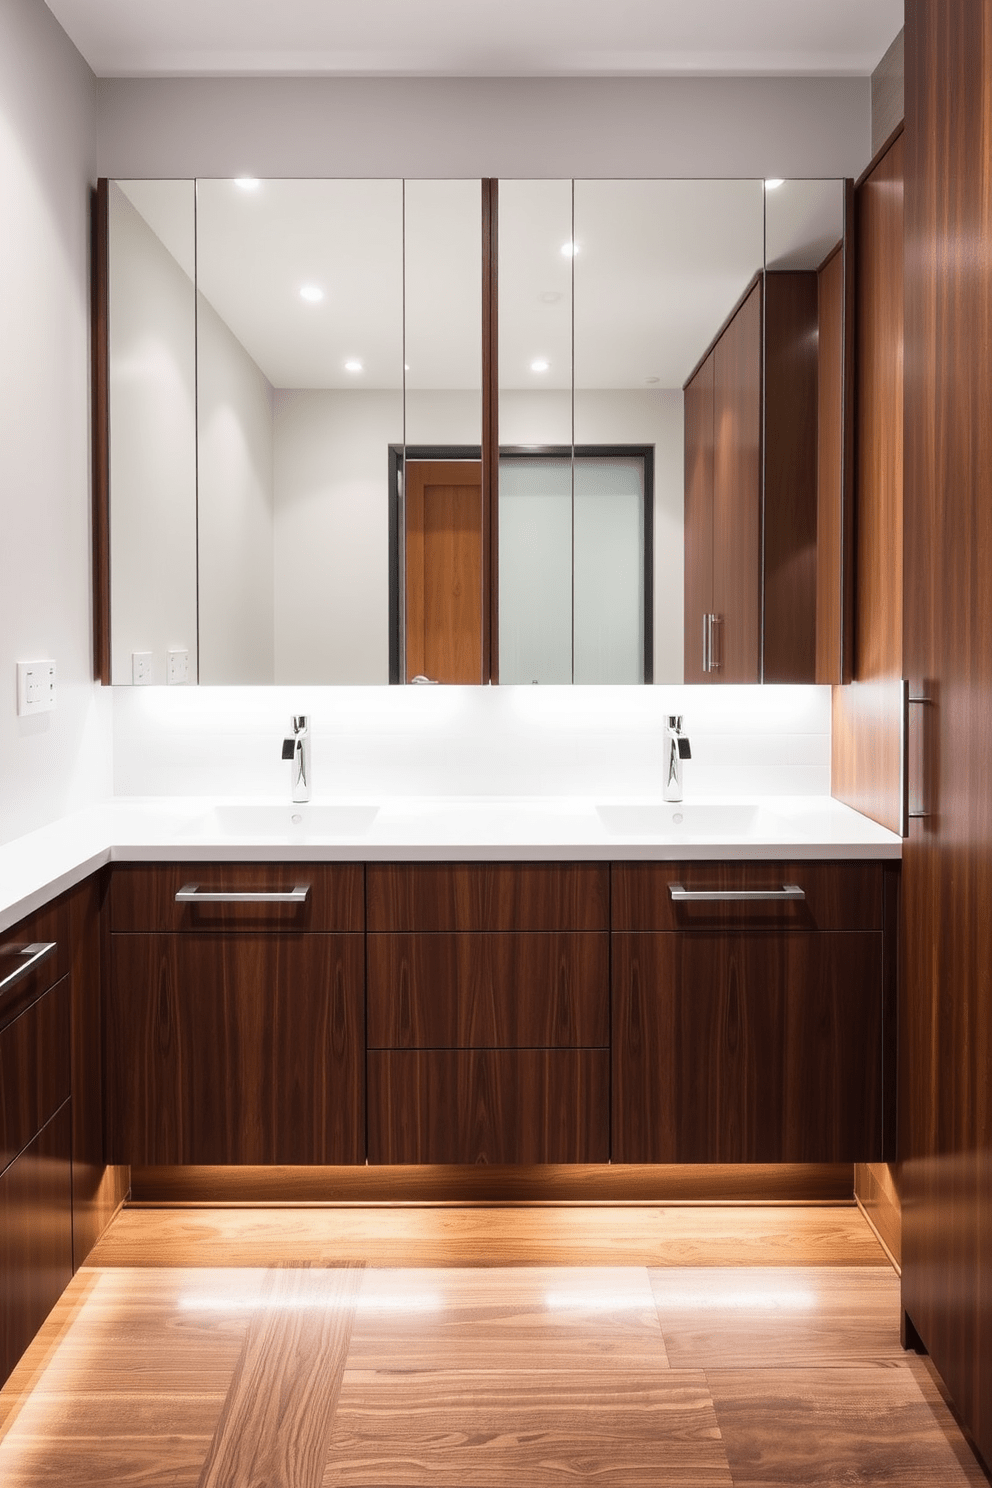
column 554, row 431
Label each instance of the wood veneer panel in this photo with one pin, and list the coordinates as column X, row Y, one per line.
column 698, row 529
column 738, row 1047
column 479, row 991
column 839, row 896
column 737, row 494
column 488, row 896
column 790, row 510
column 43, row 927
column 34, row 1070
column 143, row 897
column 489, row 1106
column 35, row 1236
column 946, row 948
column 830, row 469
column 235, row 1049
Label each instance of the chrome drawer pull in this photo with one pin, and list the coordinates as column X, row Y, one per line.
column 193, row 894
column 34, row 953
column 735, row 896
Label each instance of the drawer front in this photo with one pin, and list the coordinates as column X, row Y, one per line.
column 747, row 1047
column 35, row 1237
column 526, row 990
column 489, row 1106
column 838, row 896
column 235, row 1049
column 34, row 1070
column 488, row 896
column 25, row 974
column 143, row 896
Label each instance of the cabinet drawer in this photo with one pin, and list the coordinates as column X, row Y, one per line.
column 488, row 896
column 838, row 896
column 34, row 1070
column 143, row 896
column 235, row 1049
column 744, row 1047
column 26, row 974
column 489, row 1106
column 35, row 1237
column 531, row 990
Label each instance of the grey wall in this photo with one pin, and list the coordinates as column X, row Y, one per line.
column 53, row 762
column 528, row 127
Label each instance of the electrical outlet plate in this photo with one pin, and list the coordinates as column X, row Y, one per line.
column 177, row 668
column 35, row 686
column 141, row 668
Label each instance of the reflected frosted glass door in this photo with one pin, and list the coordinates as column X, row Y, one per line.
column 609, row 570
column 535, row 570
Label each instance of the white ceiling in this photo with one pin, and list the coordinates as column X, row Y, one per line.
column 485, row 38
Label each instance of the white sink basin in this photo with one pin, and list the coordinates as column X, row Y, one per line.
column 730, row 821
column 298, row 821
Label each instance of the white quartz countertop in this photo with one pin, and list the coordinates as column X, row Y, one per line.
column 37, row 867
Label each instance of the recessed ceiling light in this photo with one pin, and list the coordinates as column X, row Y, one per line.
column 652, row 379
column 551, row 296
column 774, row 182
column 312, row 293
column 569, row 250
column 247, row 183
column 353, row 365
column 406, row 366
column 540, row 365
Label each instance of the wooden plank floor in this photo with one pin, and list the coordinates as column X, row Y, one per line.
column 532, row 1347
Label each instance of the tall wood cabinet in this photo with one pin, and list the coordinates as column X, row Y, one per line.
column 946, row 1009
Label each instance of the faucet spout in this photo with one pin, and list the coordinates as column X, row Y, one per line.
column 297, row 749
column 676, row 750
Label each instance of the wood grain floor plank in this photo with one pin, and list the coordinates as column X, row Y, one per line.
column 678, row 1235
column 276, row 1420
column 778, row 1317
column 530, row 1318
column 824, row 1428
column 488, row 1429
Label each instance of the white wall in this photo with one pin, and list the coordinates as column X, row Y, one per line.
column 152, row 447
column 53, row 762
column 449, row 127
column 235, row 407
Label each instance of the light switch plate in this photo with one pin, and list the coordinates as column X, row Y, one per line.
column 177, row 668
column 35, row 686
column 141, row 668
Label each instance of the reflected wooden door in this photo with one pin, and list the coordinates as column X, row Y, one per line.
column 444, row 570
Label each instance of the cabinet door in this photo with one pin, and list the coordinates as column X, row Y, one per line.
column 35, row 1236
column 737, row 494
column 747, row 1047
column 698, row 534
column 225, row 1048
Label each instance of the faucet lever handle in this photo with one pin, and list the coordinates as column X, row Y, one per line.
column 684, row 751
column 288, row 748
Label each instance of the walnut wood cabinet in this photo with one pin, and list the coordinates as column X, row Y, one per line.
column 752, row 1030
column 234, row 1027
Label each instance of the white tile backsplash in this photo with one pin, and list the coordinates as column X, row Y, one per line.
column 379, row 742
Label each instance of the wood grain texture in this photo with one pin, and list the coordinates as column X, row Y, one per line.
column 788, row 631
column 876, row 1186
column 866, row 741
column 277, row 1416
column 489, row 1106
column 546, row 1235
column 458, row 1185
column 839, row 896
column 244, row 1048
column 488, row 896
column 35, row 1236
column 100, row 438
column 143, row 896
column 444, row 555
column 736, row 1047
column 481, row 991
column 34, row 1070
column 946, row 952
column 888, row 87
column 698, row 522
column 44, row 927
column 737, row 447
column 830, row 469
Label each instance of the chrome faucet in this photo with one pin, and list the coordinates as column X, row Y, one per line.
column 297, row 749
column 676, row 750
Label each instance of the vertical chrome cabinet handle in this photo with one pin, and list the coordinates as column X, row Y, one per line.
column 706, row 644
column 906, row 811
column 32, row 954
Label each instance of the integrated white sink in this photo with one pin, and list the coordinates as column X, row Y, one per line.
column 725, row 820
column 285, row 821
